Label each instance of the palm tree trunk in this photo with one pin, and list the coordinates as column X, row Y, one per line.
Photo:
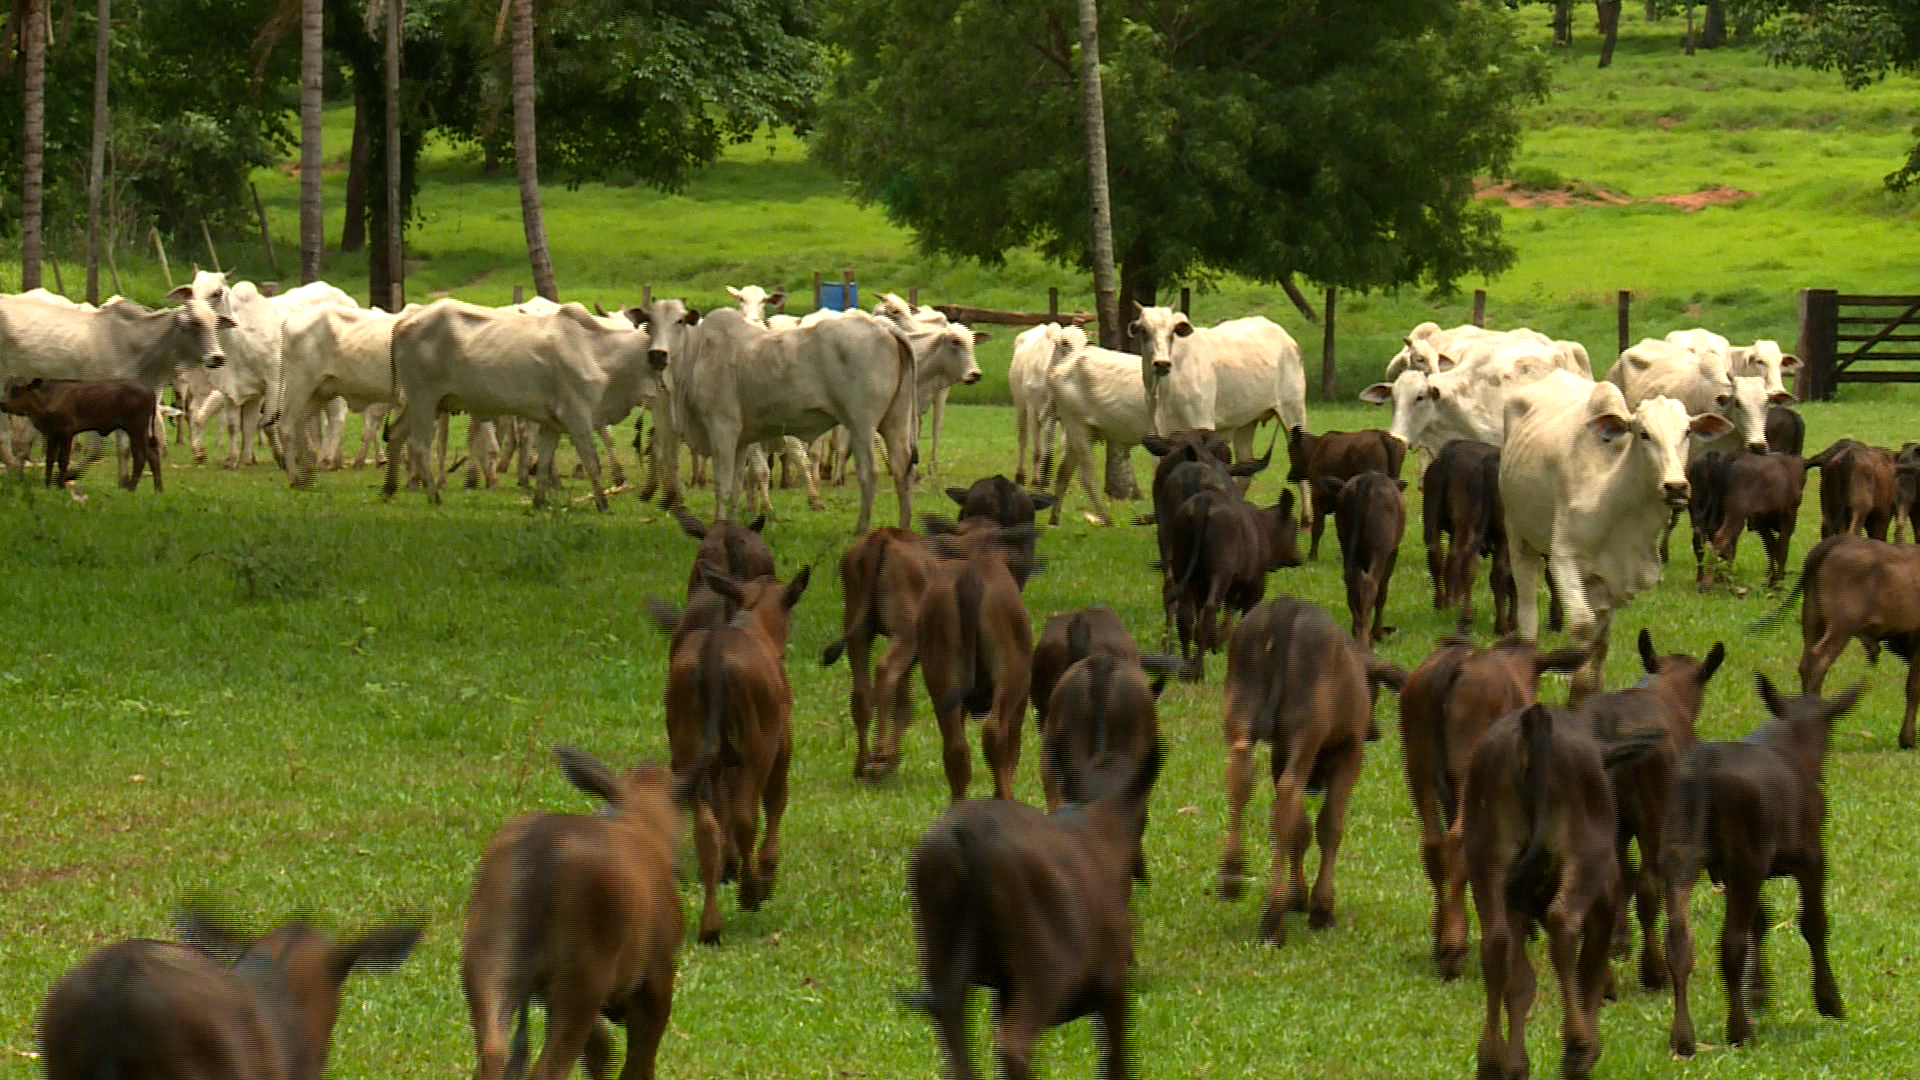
column 1609, row 16
column 396, row 262
column 312, row 64
column 34, row 136
column 97, row 159
column 1106, row 291
column 525, row 160
column 353, row 232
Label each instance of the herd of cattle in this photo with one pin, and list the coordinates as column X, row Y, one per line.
column 1554, row 818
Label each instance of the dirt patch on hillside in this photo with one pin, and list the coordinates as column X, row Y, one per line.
column 1579, row 194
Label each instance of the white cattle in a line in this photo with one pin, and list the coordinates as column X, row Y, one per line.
column 1701, row 382
column 1227, row 377
column 491, row 443
column 1587, row 486
column 249, row 384
column 744, row 384
column 121, row 340
column 568, row 372
column 1433, row 350
column 943, row 356
column 753, row 301
column 1468, row 399
column 1762, row 359
column 1096, row 394
column 332, row 352
column 1034, row 353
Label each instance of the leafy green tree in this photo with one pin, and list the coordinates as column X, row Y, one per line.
column 1258, row 137
column 1863, row 41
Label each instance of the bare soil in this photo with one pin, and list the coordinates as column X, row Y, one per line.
column 1596, row 195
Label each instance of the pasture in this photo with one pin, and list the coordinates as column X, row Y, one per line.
column 323, row 700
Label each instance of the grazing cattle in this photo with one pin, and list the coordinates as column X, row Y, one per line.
column 330, row 352
column 1446, row 706
column 1786, row 431
column 566, row 371
column 1664, row 707
column 1034, row 352
column 744, row 384
column 1537, row 825
column 155, row 1009
column 1324, row 462
column 1466, row 401
column 1762, row 360
column 942, row 356
column 1102, row 727
column 1096, row 394
column 1858, row 488
column 736, row 550
column 1462, row 519
column 1069, row 638
column 1299, row 683
column 1733, row 492
column 583, row 913
column 884, row 577
column 974, row 643
column 1700, row 383
column 1587, row 487
column 1222, row 548
column 1007, row 504
column 1227, row 378
column 1855, row 587
column 62, row 408
column 1038, row 910
column 1750, row 811
column 1370, row 514
column 730, row 722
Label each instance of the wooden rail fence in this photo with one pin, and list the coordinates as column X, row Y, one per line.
column 1839, row 331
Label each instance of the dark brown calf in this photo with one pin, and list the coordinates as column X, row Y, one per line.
column 156, row 1009
column 1038, row 910
column 583, row 913
column 730, row 723
column 1103, row 723
column 885, row 576
column 1299, row 683
column 1786, row 432
column 1222, row 548
column 63, row 408
column 1866, row 589
column 1072, row 636
column 1462, row 519
column 1006, row 503
column 1189, row 462
column 1750, row 811
column 1324, row 462
column 1731, row 492
column 974, row 644
column 1857, row 488
column 1666, row 703
column 1906, row 500
column 1371, row 516
column 1537, row 825
column 1448, row 703
column 737, row 550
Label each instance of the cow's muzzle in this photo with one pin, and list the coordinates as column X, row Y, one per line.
column 1756, row 448
column 1161, row 367
column 657, row 359
column 1676, row 495
column 217, row 360
column 970, row 378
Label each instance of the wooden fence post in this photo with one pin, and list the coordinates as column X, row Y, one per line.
column 646, row 295
column 846, row 289
column 161, row 249
column 1480, row 307
column 913, row 296
column 519, row 294
column 269, row 289
column 1819, row 350
column 1186, row 301
column 816, row 290
column 1625, row 304
column 1326, row 351
column 1053, row 303
column 266, row 234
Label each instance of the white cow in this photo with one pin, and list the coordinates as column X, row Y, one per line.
column 1034, row 352
column 1096, row 394
column 329, row 353
column 121, row 340
column 1762, row 359
column 568, row 371
column 1467, row 399
column 1701, row 382
column 943, row 355
column 753, row 301
column 1587, row 486
column 1228, row 377
column 1430, row 349
column 744, row 384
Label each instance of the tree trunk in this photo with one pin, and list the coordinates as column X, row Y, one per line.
column 34, row 136
column 1609, row 12
column 525, row 162
column 1713, row 29
column 394, row 296
column 1653, row 10
column 97, row 157
column 353, row 232
column 1689, row 37
column 1563, row 23
column 1139, row 284
column 1106, row 298
column 312, row 64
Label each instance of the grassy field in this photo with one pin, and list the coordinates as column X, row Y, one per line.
column 324, row 700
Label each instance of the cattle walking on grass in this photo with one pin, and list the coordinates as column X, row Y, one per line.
column 737, row 550
column 1854, row 587
column 63, row 408
column 1462, row 520
column 1370, row 514
column 884, row 577
column 1732, row 492
column 1222, row 548
column 1101, row 726
column 1323, row 463
column 1858, row 488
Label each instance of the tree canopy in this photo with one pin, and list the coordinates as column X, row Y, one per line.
column 1863, row 41
column 1258, row 137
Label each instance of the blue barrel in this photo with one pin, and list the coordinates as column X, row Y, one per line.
column 839, row 295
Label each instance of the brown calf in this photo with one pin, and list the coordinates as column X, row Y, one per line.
column 156, row 1009
column 1072, row 636
column 1462, row 519
column 1750, row 811
column 1666, row 703
column 1103, row 725
column 1732, row 492
column 1038, row 910
column 730, row 723
column 1866, row 589
column 1537, row 825
column 1324, row 462
column 1448, row 703
column 63, row 408
column 1006, row 503
column 1299, row 683
column 973, row 642
column 1857, row 488
column 735, row 549
column 1222, row 548
column 885, row 576
column 581, row 912
column 1906, row 503
column 1786, row 432
column 1370, row 515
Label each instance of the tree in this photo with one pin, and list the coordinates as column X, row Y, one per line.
column 97, row 154
column 1339, row 142
column 1863, row 41
column 526, row 163
column 312, row 66
column 34, row 139
column 1106, row 300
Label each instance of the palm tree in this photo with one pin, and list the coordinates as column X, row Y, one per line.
column 34, row 135
column 312, row 40
column 97, row 160
column 395, row 257
column 1100, row 204
column 524, row 132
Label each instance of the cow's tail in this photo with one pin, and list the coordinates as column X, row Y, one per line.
column 1433, row 512
column 1199, row 542
column 968, row 593
column 1101, row 672
column 1079, row 639
column 713, row 678
column 1685, row 834
column 1809, row 574
column 865, row 618
column 1493, row 524
column 969, row 903
column 1528, row 888
column 909, row 387
column 1446, row 673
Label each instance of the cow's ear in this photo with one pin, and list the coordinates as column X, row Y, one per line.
column 1182, row 328
column 664, row 619
column 1649, row 659
column 1041, row 500
column 1157, row 445
column 388, row 943
column 1610, row 426
column 1708, row 426
column 1715, row 656
column 180, row 293
column 981, row 337
column 689, row 524
column 1769, row 694
column 598, row 310
column 733, row 292
column 637, row 316
column 214, row 926
column 778, row 298
column 958, row 495
column 1443, row 362
column 1378, row 394
column 589, row 774
column 691, row 317
column 1285, row 505
column 936, row 525
column 1780, row 397
column 719, row 582
column 1789, row 362
column 758, row 524
column 796, row 588
column 37, row 383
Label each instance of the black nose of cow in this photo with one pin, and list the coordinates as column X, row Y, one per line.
column 970, row 378
column 1676, row 494
column 657, row 358
column 1161, row 367
column 1756, row 448
column 216, row 360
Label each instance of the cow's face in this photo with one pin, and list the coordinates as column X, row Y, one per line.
column 1764, row 360
column 754, row 300
column 200, row 324
column 209, row 286
column 1066, row 340
column 1417, row 402
column 667, row 323
column 24, row 397
column 953, row 356
column 1154, row 331
column 1744, row 403
column 1657, row 432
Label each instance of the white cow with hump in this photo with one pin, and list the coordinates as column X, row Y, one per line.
column 1762, row 360
column 1588, row 486
column 331, row 353
column 1034, row 352
column 1228, row 377
column 1466, row 397
column 1702, row 383
column 1096, row 394
column 1431, row 349
column 942, row 354
column 753, row 301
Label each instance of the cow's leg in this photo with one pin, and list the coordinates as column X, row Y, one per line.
column 725, row 462
column 1096, row 493
column 649, row 1008
column 900, row 452
column 1332, row 827
column 615, row 469
column 1063, row 480
column 743, row 832
column 710, row 844
column 868, row 470
column 1022, row 427
column 1594, row 973
column 773, row 800
column 1913, row 701
column 1500, row 583
column 1239, row 731
column 1526, row 585
column 1823, row 646
column 1679, row 885
column 1759, row 985
column 860, row 658
column 1009, row 714
column 1813, row 926
column 796, row 455
column 955, row 755
column 1116, row 1027
column 1320, row 513
column 1290, row 835
column 199, row 413
column 759, row 478
column 1022, row 1023
column 1743, row 895
column 939, row 420
column 1646, row 902
column 893, row 691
